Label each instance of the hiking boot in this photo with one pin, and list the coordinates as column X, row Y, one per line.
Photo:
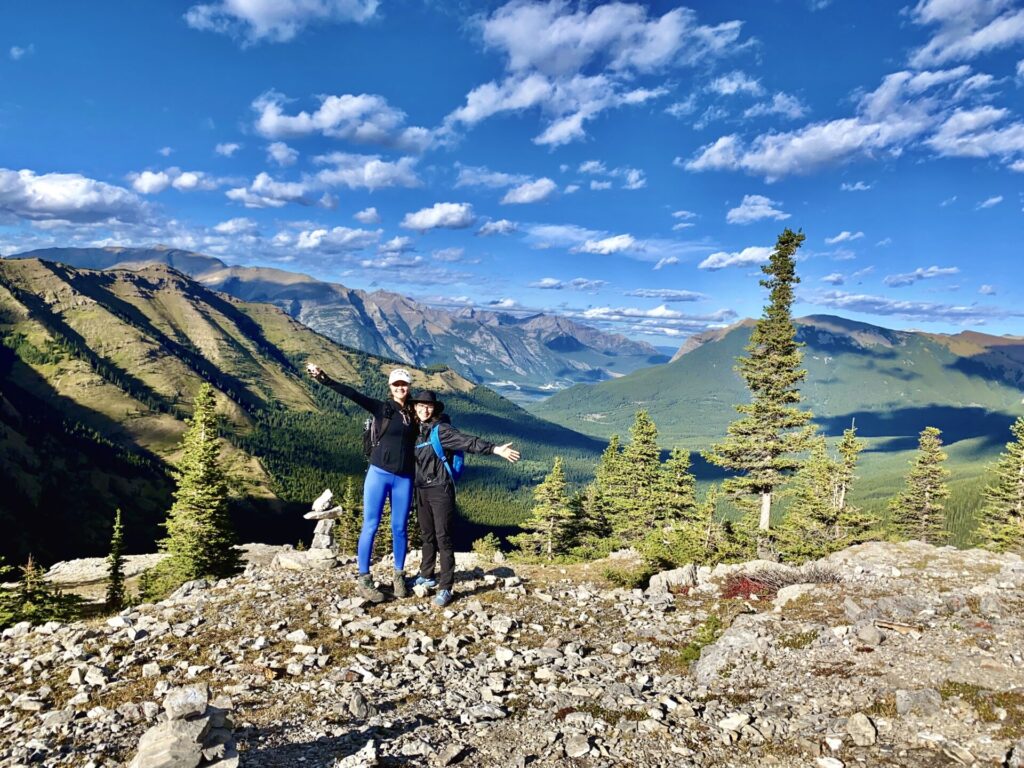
column 366, row 589
column 425, row 582
column 401, row 589
column 443, row 598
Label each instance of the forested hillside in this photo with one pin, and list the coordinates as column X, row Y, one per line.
column 99, row 371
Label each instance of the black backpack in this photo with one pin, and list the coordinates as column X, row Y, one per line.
column 372, row 432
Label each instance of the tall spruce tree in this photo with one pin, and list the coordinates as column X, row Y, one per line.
column 762, row 445
column 639, row 506
column 1002, row 511
column 918, row 511
column 547, row 532
column 853, row 525
column 115, row 566
column 808, row 529
column 200, row 541
column 679, row 487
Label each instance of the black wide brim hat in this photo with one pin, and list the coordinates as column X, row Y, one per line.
column 429, row 397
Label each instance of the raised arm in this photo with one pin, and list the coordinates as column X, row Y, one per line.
column 370, row 404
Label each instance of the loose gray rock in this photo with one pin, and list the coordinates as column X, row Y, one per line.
column 861, row 730
column 925, row 701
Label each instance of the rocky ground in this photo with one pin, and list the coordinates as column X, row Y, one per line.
column 913, row 658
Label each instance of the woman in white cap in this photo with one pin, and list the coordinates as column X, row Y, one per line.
column 392, row 463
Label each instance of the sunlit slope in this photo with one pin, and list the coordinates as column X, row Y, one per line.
column 100, row 369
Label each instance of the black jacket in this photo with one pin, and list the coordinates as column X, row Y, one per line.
column 429, row 469
column 394, row 450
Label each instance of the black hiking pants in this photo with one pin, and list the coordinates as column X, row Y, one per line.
column 435, row 508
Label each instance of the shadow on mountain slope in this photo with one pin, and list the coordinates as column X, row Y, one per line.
column 904, row 425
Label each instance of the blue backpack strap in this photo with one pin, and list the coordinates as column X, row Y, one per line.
column 435, row 440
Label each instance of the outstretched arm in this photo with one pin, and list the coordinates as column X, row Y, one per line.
column 453, row 440
column 370, row 404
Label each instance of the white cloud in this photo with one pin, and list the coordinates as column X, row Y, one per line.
column 710, row 115
column 237, row 226
column 884, row 242
column 660, row 313
column 987, row 290
column 608, row 245
column 366, row 171
column 398, row 244
column 781, row 104
column 449, row 254
column 735, row 82
column 857, row 186
column 684, row 215
column 18, row 52
column 165, row 151
column 634, row 179
column 990, row 202
column 755, row 208
column 598, row 186
column 911, row 310
column 282, row 154
column 748, row 256
column 666, row 294
column 592, row 166
column 903, row 109
column 570, row 189
column 336, row 240
column 266, row 192
column 836, row 278
column 150, row 182
column 363, row 119
column 844, row 237
column 65, row 197
column 440, row 215
column 227, row 149
column 548, row 46
column 499, row 227
column 367, row 216
column 475, row 176
column 966, row 29
column 559, row 235
column 973, row 133
column 391, row 261
column 275, row 20
column 186, row 181
column 927, row 273
column 681, row 109
column 667, row 261
column 576, row 284
column 530, row 192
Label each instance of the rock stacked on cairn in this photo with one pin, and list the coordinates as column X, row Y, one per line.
column 325, row 515
column 196, row 732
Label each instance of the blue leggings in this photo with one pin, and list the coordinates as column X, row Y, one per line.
column 380, row 485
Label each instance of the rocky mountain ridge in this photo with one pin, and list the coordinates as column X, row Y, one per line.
column 524, row 357
column 882, row 654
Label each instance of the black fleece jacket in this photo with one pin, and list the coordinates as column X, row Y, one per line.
column 394, row 451
column 429, row 469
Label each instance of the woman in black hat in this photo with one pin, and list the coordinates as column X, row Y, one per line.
column 435, row 489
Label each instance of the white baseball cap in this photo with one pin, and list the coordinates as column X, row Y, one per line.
column 400, row 374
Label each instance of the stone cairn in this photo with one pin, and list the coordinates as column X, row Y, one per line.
column 196, row 732
column 325, row 515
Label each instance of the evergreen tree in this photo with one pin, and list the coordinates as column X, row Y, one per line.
column 1002, row 512
column 35, row 601
column 853, row 526
column 809, row 528
column 761, row 444
column 547, row 531
column 115, row 566
column 200, row 540
column 609, row 480
column 917, row 512
column 351, row 522
column 679, row 487
column 703, row 538
column 591, row 532
column 639, row 481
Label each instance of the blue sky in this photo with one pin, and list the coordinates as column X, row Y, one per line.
column 629, row 165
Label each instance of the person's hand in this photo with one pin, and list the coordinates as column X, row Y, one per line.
column 507, row 452
column 316, row 372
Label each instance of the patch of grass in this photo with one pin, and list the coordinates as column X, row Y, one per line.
column 706, row 634
column 987, row 704
column 629, row 578
column 883, row 707
column 798, row 640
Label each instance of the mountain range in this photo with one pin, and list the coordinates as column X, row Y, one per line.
column 98, row 370
column 526, row 358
